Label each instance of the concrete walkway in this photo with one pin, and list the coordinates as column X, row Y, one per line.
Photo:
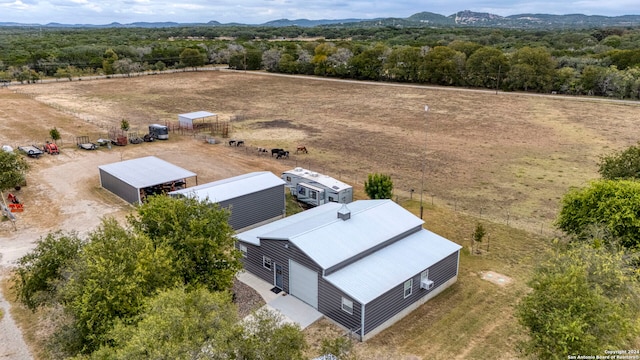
column 292, row 309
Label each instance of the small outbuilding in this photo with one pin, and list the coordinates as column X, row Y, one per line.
column 365, row 264
column 253, row 199
column 189, row 120
column 134, row 179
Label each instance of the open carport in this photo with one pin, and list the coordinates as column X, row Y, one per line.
column 135, row 179
column 193, row 119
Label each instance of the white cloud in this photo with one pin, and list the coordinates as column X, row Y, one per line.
column 260, row 11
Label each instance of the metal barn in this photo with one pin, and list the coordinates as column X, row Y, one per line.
column 254, row 199
column 133, row 179
column 187, row 120
column 316, row 189
column 364, row 265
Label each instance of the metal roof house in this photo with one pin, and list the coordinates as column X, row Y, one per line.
column 186, row 120
column 133, row 179
column 254, row 199
column 316, row 189
column 364, row 265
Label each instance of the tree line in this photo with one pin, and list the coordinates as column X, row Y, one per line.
column 597, row 62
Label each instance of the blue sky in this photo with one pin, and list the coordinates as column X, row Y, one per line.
column 260, row 11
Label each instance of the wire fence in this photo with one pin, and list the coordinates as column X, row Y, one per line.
column 405, row 189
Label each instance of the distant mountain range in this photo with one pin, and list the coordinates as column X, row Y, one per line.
column 464, row 18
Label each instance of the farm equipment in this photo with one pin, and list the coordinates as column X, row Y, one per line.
column 84, row 143
column 51, row 148
column 118, row 137
column 134, row 138
column 31, row 151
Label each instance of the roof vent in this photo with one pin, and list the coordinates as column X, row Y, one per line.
column 344, row 213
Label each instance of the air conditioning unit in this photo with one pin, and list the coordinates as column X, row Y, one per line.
column 426, row 284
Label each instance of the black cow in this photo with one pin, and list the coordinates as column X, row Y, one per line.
column 283, row 155
column 275, row 151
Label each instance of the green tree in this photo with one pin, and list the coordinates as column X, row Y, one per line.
column 611, row 205
column 583, row 301
column 621, row 165
column 124, row 125
column 108, row 59
column 532, row 69
column 340, row 347
column 485, row 67
column 201, row 239
column 114, row 274
column 192, row 58
column 266, row 337
column 39, row 273
column 378, row 186
column 178, row 324
column 444, row 66
column 55, row 134
column 12, row 170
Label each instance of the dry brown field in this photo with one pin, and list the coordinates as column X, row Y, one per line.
column 501, row 157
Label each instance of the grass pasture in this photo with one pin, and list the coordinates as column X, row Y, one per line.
column 502, row 159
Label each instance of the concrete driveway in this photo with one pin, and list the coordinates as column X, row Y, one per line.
column 292, row 309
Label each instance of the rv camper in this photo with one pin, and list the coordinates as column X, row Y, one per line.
column 159, row 132
column 316, row 189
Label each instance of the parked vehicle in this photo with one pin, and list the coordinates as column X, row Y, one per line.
column 316, row 189
column 51, row 148
column 159, row 132
column 84, row 143
column 31, row 151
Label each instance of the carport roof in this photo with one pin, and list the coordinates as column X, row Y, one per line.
column 147, row 171
column 230, row 188
column 196, row 115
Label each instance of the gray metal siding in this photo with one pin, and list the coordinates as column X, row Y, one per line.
column 119, row 187
column 256, row 207
column 253, row 262
column 280, row 252
column 330, row 304
column 392, row 302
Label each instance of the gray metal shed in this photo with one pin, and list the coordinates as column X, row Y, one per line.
column 186, row 120
column 128, row 179
column 254, row 199
column 343, row 259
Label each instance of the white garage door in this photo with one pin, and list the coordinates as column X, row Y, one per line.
column 303, row 283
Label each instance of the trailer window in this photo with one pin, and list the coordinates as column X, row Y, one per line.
column 313, row 194
column 331, row 199
column 302, row 191
column 288, row 178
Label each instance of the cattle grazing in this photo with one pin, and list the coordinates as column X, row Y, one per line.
column 283, row 154
column 232, row 142
column 240, row 143
column 302, row 149
column 275, row 151
column 262, row 150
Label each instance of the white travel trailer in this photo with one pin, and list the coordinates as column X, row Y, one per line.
column 316, row 189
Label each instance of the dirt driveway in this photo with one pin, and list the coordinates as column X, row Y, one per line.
column 496, row 155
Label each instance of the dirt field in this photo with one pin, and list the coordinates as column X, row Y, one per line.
column 504, row 157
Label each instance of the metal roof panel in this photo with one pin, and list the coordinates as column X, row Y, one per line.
column 374, row 275
column 233, row 187
column 146, row 171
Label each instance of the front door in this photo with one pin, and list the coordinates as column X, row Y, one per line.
column 279, row 276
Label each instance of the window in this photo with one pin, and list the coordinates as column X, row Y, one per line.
column 347, row 306
column 332, row 199
column 243, row 249
column 302, row 191
column 288, row 178
column 266, row 262
column 408, row 288
column 313, row 194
